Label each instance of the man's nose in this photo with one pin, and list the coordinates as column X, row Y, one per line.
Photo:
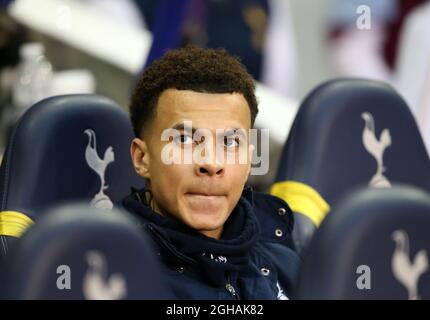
column 210, row 169
column 209, row 164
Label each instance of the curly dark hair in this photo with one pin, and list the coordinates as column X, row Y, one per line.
column 190, row 68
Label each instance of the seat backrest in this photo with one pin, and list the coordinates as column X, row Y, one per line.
column 348, row 133
column 374, row 245
column 63, row 149
column 78, row 252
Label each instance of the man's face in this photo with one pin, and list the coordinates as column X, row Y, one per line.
column 200, row 193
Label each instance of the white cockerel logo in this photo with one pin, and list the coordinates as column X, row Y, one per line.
column 404, row 271
column 376, row 148
column 100, row 200
column 97, row 285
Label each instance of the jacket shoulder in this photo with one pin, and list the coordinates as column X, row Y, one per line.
column 275, row 219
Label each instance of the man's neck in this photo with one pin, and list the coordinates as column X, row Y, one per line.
column 215, row 234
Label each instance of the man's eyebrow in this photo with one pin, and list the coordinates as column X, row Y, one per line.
column 233, row 131
column 226, row 132
column 181, row 126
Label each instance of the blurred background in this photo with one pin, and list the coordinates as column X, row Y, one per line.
column 51, row 47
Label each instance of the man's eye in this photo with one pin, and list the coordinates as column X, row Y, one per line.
column 184, row 139
column 231, row 142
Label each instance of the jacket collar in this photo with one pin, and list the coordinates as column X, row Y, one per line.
column 214, row 257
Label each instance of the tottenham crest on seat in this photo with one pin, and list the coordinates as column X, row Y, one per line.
column 376, row 148
column 99, row 165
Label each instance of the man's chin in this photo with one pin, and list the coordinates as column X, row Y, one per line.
column 204, row 216
column 206, row 223
column 211, row 232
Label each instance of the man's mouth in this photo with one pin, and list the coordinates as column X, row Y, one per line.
column 206, row 195
column 205, row 202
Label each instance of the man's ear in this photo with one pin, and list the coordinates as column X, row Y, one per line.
column 140, row 157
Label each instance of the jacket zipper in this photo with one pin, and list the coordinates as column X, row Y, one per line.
column 228, row 286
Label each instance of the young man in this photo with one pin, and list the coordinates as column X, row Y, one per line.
column 215, row 238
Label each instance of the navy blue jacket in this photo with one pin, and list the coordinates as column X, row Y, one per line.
column 254, row 259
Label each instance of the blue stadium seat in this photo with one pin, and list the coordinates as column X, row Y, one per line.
column 375, row 244
column 347, row 133
column 79, row 252
column 63, row 149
